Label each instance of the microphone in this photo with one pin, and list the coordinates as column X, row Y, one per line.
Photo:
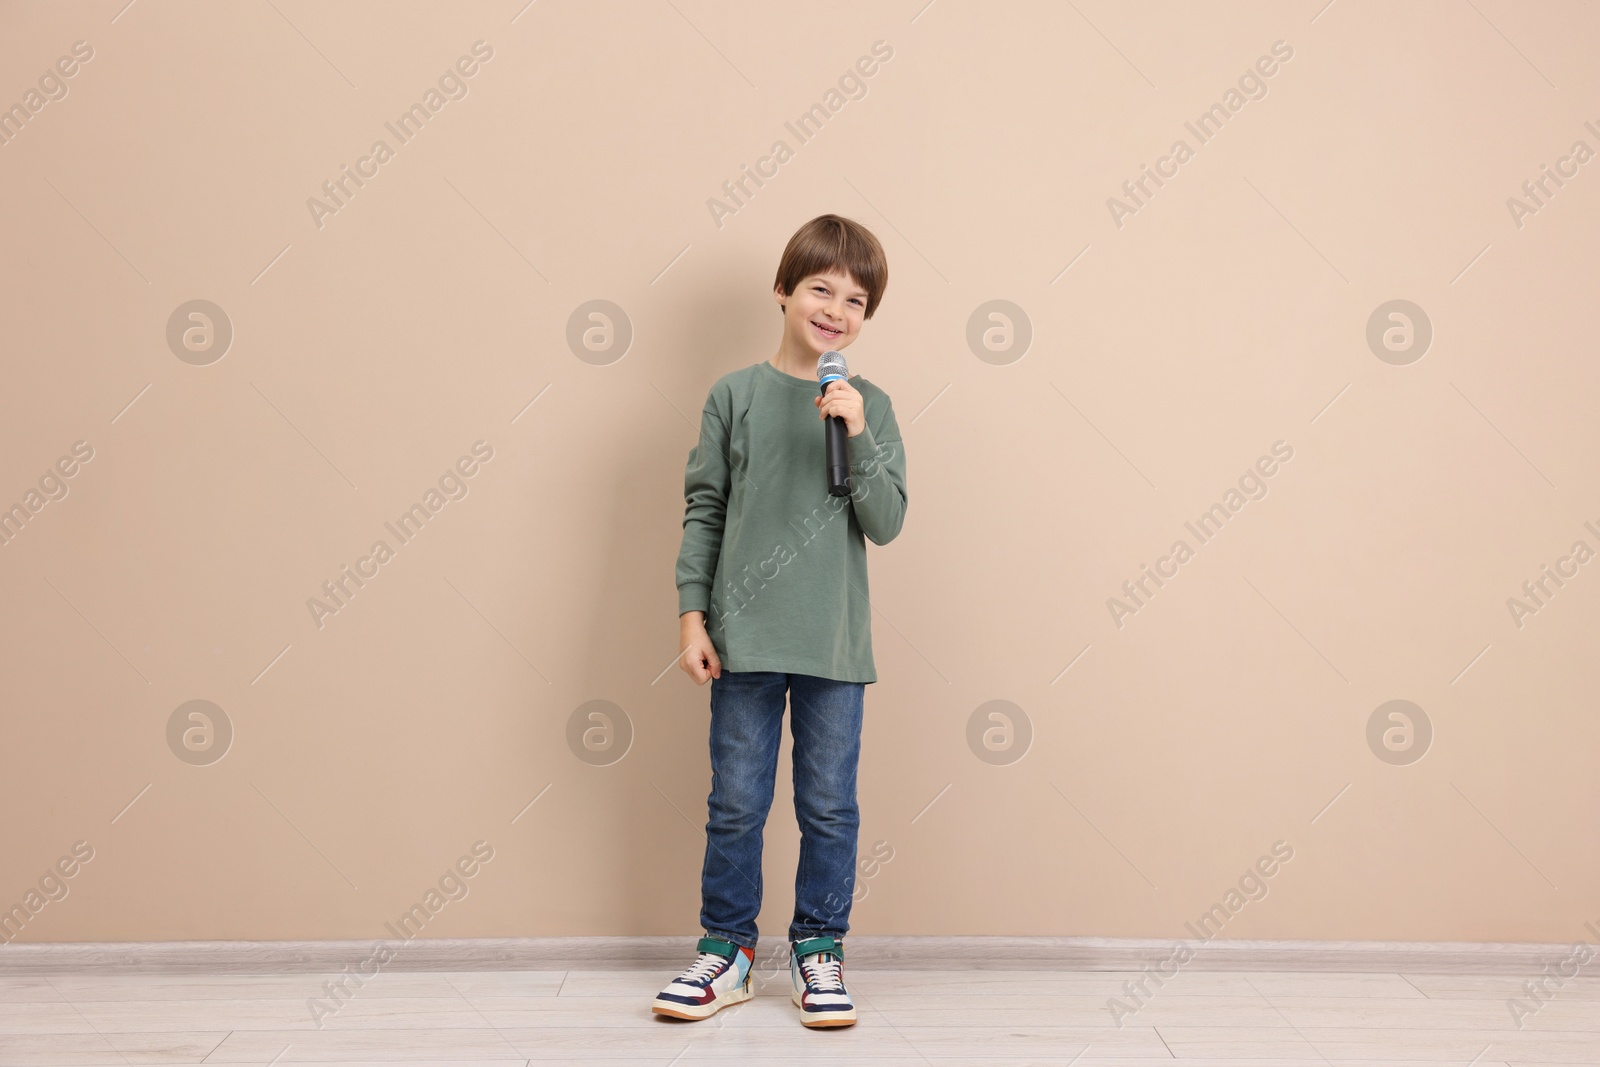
column 830, row 367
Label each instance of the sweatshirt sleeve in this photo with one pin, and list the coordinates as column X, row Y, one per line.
column 878, row 476
column 706, row 481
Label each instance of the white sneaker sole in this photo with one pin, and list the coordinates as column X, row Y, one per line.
column 704, row 1011
column 819, row 1020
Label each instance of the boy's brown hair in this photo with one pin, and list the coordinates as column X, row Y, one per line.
column 831, row 242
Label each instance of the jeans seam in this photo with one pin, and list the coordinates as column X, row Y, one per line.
column 727, row 935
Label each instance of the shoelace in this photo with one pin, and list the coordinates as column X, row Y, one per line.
column 703, row 969
column 822, row 972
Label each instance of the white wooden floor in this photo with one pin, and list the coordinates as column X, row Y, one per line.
column 988, row 1016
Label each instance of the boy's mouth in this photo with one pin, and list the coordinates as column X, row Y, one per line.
column 826, row 331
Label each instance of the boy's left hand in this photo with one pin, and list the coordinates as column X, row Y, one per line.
column 844, row 401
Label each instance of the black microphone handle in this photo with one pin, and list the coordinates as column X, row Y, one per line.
column 838, row 455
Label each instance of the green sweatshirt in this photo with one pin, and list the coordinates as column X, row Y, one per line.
column 777, row 564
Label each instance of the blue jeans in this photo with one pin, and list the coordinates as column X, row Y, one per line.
column 746, row 727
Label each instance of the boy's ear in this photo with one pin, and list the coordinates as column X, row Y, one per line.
column 779, row 295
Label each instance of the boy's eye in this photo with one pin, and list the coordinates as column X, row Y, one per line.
column 824, row 289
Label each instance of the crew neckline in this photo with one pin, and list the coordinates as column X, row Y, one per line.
column 809, row 384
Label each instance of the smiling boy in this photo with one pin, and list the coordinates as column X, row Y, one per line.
column 773, row 603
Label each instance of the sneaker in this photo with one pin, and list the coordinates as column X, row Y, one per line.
column 816, row 972
column 719, row 976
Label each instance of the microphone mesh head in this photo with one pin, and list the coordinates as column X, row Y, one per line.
column 831, row 365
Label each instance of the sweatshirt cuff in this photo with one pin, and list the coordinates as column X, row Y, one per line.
column 862, row 447
column 694, row 596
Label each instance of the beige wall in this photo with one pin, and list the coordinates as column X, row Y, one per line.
column 1172, row 345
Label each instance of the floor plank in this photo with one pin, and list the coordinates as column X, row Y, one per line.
column 942, row 1018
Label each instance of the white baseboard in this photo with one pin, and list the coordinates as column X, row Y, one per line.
column 865, row 951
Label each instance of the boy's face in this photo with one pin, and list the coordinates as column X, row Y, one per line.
column 820, row 304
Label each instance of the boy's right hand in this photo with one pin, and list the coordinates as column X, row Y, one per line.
column 698, row 657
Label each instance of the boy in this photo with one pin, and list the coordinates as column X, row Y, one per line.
column 772, row 598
